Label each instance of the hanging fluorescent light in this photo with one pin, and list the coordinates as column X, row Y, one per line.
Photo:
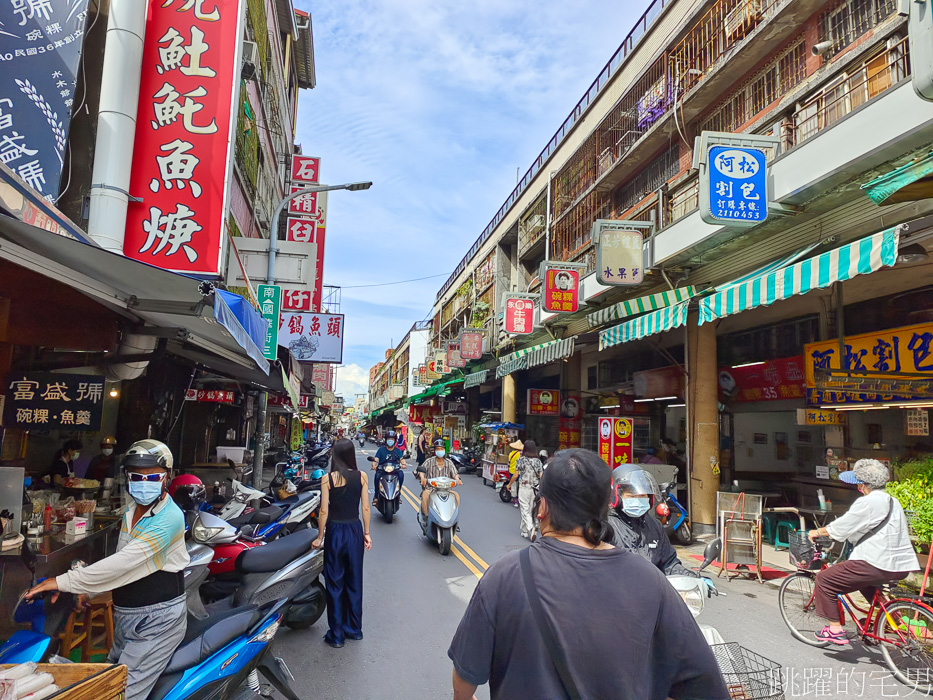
column 676, row 405
column 642, row 400
column 667, row 398
column 747, row 364
column 611, row 405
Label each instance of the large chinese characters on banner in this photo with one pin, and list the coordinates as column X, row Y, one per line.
column 560, row 293
column 182, row 155
column 311, row 232
column 312, row 337
column 615, row 441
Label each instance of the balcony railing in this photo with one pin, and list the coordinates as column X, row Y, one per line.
column 848, row 91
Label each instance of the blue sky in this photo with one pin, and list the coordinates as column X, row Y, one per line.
column 438, row 103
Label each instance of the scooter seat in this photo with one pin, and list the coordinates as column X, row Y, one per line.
column 257, row 517
column 296, row 498
column 277, row 554
column 206, row 637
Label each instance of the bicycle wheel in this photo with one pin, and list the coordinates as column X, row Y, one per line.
column 795, row 598
column 908, row 649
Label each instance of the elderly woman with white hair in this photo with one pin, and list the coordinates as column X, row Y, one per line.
column 877, row 526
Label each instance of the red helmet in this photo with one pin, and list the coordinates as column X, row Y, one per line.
column 187, row 491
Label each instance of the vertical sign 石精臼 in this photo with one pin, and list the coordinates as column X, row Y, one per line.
column 270, row 307
column 182, row 155
column 301, row 230
column 615, row 441
column 306, row 169
column 41, row 44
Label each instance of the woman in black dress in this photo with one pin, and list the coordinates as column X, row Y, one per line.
column 342, row 493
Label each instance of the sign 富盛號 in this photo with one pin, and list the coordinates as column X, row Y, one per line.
column 47, row 401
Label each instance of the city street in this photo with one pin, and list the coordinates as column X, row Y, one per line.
column 414, row 598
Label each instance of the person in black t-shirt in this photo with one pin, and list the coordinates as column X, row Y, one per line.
column 622, row 629
column 63, row 465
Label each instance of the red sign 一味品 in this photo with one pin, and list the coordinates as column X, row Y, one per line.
column 774, row 380
column 209, row 396
column 543, row 402
column 182, row 157
column 615, row 441
column 561, row 291
column 471, row 345
column 306, row 169
column 519, row 315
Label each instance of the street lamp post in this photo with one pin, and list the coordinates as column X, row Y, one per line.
column 259, row 436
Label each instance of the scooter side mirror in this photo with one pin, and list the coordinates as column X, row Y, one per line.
column 711, row 553
column 407, row 454
column 370, row 458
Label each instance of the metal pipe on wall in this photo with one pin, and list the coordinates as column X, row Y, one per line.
column 116, row 123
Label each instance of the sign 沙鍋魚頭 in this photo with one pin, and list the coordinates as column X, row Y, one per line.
column 312, row 337
column 47, row 401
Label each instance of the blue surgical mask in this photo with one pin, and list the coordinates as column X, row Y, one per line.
column 390, row 443
column 440, row 453
column 636, row 507
column 145, row 492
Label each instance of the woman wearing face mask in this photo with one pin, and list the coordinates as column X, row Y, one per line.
column 104, row 465
column 528, row 470
column 63, row 465
column 146, row 574
column 634, row 527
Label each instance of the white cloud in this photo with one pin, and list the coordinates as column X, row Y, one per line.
column 351, row 380
column 437, row 104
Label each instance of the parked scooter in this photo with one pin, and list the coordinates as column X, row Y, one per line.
column 676, row 521
column 466, row 461
column 389, row 494
column 261, row 574
column 440, row 525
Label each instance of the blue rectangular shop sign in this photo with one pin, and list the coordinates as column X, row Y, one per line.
column 737, row 189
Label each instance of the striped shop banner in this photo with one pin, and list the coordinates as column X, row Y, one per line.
column 633, row 307
column 649, row 324
column 551, row 352
column 857, row 258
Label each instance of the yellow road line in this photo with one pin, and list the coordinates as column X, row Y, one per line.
column 470, row 552
column 467, row 562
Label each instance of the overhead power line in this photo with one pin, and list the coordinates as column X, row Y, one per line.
column 384, row 284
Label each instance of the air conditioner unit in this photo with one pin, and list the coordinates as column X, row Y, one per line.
column 534, row 222
column 250, row 60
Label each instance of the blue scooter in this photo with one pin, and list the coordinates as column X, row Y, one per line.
column 678, row 522
column 217, row 656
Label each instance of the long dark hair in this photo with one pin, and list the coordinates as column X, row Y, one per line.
column 530, row 449
column 343, row 458
column 577, row 485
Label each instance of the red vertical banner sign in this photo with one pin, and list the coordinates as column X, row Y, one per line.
column 306, row 169
column 519, row 314
column 306, row 231
column 560, row 293
column 615, row 441
column 471, row 345
column 182, row 155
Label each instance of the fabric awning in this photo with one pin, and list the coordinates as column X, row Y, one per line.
column 296, row 401
column 860, row 257
column 475, row 379
column 508, row 366
column 164, row 300
column 551, row 352
column 633, row 307
column 905, row 184
column 657, row 321
column 432, row 391
column 526, row 351
column 245, row 324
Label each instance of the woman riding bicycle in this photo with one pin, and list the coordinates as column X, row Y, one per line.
column 882, row 552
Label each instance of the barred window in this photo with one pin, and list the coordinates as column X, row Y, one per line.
column 655, row 174
column 849, row 19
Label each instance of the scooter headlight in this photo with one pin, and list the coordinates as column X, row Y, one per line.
column 389, row 469
column 691, row 591
column 203, row 534
column 268, row 633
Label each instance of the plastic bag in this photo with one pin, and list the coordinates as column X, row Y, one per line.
column 47, row 691
column 20, row 671
column 33, row 684
column 56, row 659
column 7, row 689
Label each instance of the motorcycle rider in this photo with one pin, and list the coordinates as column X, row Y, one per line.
column 146, row 574
column 388, row 453
column 433, row 468
column 634, row 527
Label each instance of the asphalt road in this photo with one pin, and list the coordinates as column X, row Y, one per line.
column 414, row 598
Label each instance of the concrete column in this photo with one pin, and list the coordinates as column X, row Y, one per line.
column 703, row 412
column 508, row 399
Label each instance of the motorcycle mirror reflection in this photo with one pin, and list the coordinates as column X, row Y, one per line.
column 711, row 553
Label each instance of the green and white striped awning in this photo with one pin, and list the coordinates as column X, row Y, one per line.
column 551, row 352
column 633, row 307
column 655, row 322
column 507, row 366
column 475, row 379
column 857, row 258
column 526, row 351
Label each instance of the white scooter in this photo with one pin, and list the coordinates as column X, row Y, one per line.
column 242, row 495
column 443, row 513
column 694, row 591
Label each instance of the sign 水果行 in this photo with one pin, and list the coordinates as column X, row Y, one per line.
column 619, row 252
column 312, row 337
column 182, row 154
column 48, row 401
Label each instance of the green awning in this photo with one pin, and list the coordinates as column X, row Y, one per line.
column 649, row 324
column 633, row 307
column 907, row 183
column 475, row 379
column 432, row 391
column 293, row 397
column 860, row 257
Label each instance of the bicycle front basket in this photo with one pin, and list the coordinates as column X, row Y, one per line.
column 748, row 675
column 802, row 551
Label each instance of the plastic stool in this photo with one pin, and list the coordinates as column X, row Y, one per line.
column 785, row 527
column 98, row 623
column 767, row 527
